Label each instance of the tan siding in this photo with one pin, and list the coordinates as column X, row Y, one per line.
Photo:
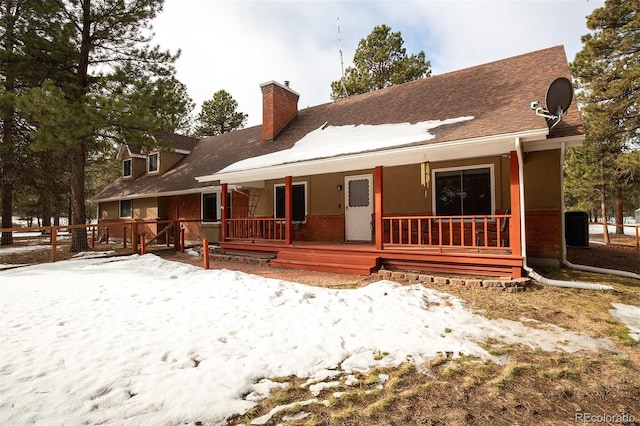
column 542, row 180
column 168, row 160
column 109, row 210
column 145, row 208
column 403, row 192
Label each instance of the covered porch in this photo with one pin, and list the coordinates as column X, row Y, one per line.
column 485, row 245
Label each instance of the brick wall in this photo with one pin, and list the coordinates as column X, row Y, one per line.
column 544, row 237
column 279, row 106
column 188, row 207
column 323, row 228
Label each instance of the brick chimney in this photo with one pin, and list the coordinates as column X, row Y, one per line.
column 279, row 107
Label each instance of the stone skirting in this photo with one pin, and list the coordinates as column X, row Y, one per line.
column 498, row 284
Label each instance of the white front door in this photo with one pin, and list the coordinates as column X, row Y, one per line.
column 358, row 207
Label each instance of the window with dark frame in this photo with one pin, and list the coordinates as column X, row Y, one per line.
column 126, row 209
column 299, row 202
column 153, row 162
column 464, row 192
column 126, row 168
column 211, row 207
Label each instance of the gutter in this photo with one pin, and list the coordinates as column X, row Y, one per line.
column 523, row 237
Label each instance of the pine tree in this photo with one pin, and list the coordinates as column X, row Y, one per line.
column 607, row 71
column 219, row 115
column 92, row 105
column 380, row 61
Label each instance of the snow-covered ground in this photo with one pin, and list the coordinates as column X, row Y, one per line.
column 140, row 340
column 630, row 316
column 628, row 230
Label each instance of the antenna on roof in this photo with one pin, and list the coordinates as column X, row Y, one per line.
column 344, row 89
column 558, row 99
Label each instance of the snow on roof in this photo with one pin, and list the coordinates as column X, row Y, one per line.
column 331, row 141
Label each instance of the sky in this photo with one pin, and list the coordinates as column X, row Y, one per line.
column 102, row 341
column 238, row 45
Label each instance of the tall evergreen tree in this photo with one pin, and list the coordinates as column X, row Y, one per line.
column 109, row 47
column 380, row 61
column 607, row 69
column 28, row 55
column 219, row 115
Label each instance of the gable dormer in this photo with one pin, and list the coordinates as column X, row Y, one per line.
column 167, row 152
column 134, row 163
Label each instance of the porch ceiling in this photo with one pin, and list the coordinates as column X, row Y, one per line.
column 461, row 149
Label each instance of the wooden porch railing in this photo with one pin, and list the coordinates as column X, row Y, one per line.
column 491, row 231
column 256, row 228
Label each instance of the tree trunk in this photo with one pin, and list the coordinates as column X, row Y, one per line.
column 8, row 116
column 45, row 204
column 78, row 214
column 619, row 210
column 7, row 212
column 603, row 207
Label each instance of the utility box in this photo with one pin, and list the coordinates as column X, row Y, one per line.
column 576, row 229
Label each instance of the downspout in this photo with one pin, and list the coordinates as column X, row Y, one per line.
column 523, row 237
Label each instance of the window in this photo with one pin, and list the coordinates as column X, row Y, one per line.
column 153, row 162
column 299, row 201
column 126, row 209
column 126, row 168
column 211, row 207
column 464, row 192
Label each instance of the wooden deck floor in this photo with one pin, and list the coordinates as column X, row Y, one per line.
column 364, row 258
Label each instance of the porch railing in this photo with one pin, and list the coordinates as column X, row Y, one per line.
column 256, row 228
column 490, row 231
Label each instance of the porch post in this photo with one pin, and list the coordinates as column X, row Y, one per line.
column 288, row 209
column 223, row 218
column 515, row 227
column 378, row 203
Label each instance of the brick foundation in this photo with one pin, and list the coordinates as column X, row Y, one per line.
column 328, row 228
column 544, row 235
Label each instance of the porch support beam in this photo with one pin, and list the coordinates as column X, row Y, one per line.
column 288, row 209
column 223, row 219
column 378, row 203
column 514, row 224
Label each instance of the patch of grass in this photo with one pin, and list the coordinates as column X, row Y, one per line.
column 620, row 331
column 561, row 373
column 380, row 355
column 345, row 414
column 379, row 407
column 510, row 372
column 495, row 350
column 451, row 370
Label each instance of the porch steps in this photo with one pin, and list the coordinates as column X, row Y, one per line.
column 329, row 260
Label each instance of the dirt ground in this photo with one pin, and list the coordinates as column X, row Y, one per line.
column 609, row 257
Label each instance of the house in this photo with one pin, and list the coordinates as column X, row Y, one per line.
column 453, row 173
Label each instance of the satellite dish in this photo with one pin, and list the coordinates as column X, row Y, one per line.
column 559, row 96
column 558, row 99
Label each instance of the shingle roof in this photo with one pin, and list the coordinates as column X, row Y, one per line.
column 498, row 95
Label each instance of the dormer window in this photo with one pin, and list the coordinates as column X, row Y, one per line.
column 126, row 168
column 153, row 162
